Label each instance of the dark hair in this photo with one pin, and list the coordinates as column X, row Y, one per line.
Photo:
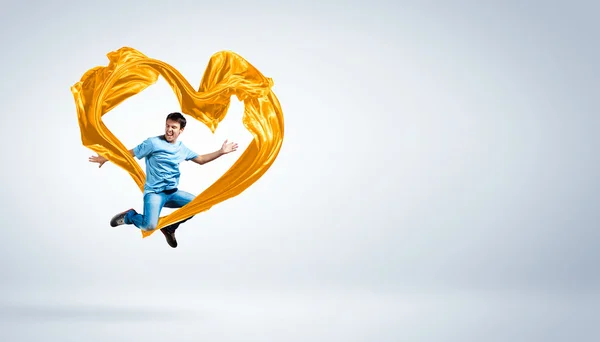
column 176, row 116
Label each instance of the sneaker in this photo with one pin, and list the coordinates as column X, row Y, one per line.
column 170, row 236
column 119, row 219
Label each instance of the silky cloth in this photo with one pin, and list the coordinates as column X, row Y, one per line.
column 129, row 72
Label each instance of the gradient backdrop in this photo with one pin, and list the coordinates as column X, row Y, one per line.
column 438, row 179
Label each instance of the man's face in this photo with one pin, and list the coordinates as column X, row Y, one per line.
column 172, row 130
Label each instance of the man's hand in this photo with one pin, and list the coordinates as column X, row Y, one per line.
column 98, row 159
column 228, row 148
column 206, row 158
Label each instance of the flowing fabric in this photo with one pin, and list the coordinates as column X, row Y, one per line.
column 129, row 72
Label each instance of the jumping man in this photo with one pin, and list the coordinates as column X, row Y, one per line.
column 163, row 155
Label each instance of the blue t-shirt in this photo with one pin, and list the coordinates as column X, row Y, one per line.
column 162, row 162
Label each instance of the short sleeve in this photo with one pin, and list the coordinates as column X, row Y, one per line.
column 189, row 154
column 144, row 149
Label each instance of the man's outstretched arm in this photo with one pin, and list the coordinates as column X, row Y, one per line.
column 101, row 160
column 206, row 158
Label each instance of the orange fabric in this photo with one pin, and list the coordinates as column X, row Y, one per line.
column 129, row 72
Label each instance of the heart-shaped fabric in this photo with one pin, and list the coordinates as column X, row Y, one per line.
column 129, row 72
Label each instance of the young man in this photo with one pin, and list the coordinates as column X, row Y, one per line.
column 163, row 155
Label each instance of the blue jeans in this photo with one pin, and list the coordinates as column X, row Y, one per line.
column 153, row 204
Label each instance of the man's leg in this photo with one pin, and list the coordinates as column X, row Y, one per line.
column 153, row 204
column 177, row 199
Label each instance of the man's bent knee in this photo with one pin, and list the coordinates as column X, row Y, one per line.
column 148, row 226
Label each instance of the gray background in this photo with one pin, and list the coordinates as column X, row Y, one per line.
column 437, row 182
